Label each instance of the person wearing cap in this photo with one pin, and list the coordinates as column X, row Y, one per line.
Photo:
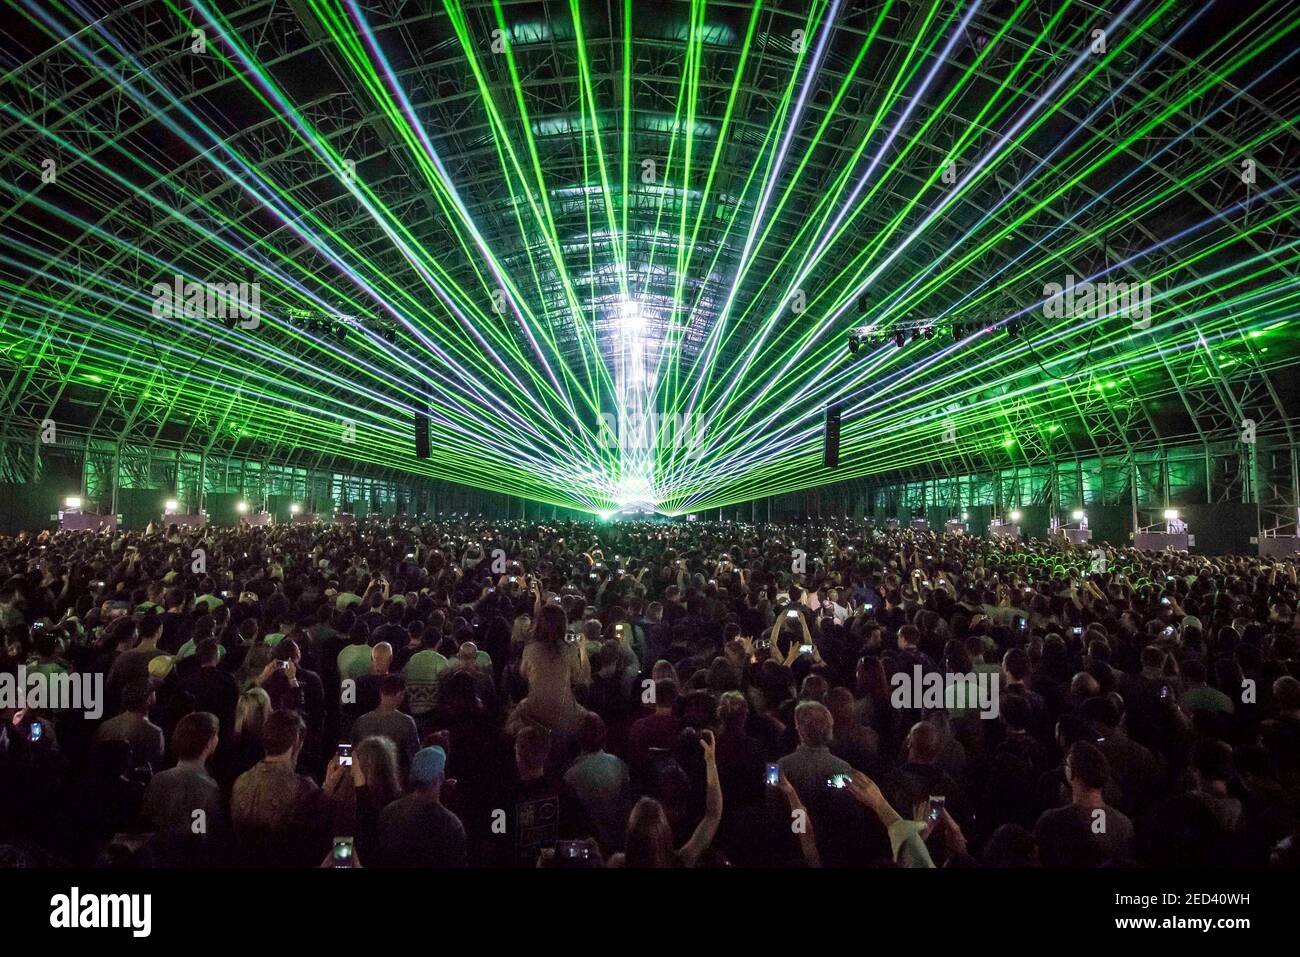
column 159, row 668
column 417, row 830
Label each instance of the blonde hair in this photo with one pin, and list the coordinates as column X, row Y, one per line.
column 250, row 712
column 377, row 756
column 521, row 629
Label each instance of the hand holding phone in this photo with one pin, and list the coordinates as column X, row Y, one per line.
column 934, row 810
column 343, row 855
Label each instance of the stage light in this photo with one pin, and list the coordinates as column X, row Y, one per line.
column 1171, row 514
column 855, row 345
column 295, row 508
column 630, row 320
column 862, row 304
column 241, row 507
column 899, row 339
column 72, row 501
column 1015, row 515
column 1013, row 328
column 1077, row 515
column 928, row 332
column 170, row 506
column 965, row 516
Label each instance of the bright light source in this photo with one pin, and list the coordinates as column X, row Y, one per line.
column 170, row 505
column 1077, row 515
column 633, row 490
column 965, row 516
column 630, row 320
column 1015, row 515
column 1171, row 514
column 295, row 508
column 241, row 507
column 72, row 501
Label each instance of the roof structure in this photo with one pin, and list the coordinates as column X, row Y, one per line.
column 617, row 250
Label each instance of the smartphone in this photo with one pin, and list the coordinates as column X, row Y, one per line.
column 573, row 850
column 792, row 614
column 868, row 606
column 282, row 665
column 345, row 755
column 342, row 852
column 1077, row 629
column 34, row 732
column 838, row 781
column 1164, row 692
column 1164, row 601
column 771, row 774
column 935, row 810
column 805, row 649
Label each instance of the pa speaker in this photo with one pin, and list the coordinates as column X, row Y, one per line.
column 831, row 449
column 421, row 435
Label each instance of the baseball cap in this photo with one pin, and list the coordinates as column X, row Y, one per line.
column 427, row 765
column 160, row 666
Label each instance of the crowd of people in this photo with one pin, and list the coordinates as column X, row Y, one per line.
column 478, row 693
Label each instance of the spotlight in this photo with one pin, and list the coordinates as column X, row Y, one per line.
column 241, row 507
column 1171, row 514
column 899, row 339
column 855, row 345
column 1015, row 515
column 170, row 506
column 72, row 501
column 630, row 319
column 1077, row 515
column 1013, row 329
column 965, row 516
column 295, row 508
